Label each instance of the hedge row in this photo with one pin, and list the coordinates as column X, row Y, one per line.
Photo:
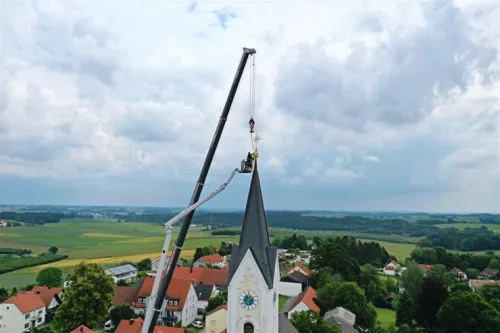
column 13, row 264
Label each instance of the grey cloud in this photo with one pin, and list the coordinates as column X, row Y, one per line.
column 145, row 126
column 370, row 23
column 395, row 85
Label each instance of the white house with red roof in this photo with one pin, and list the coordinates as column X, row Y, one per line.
column 392, row 268
column 52, row 297
column 22, row 313
column 211, row 260
column 182, row 303
column 303, row 302
column 299, row 267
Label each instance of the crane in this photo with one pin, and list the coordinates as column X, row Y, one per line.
column 156, row 302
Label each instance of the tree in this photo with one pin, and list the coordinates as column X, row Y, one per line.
column 440, row 273
column 472, row 273
column 460, row 287
column 3, row 294
column 216, row 301
column 87, row 298
column 122, row 283
column 494, row 264
column 404, row 310
column 333, row 255
column 468, row 312
column 53, row 249
column 370, row 282
column 144, row 265
column 491, row 293
column 311, row 322
column 349, row 296
column 13, row 292
column 412, row 279
column 429, row 302
column 43, row 329
column 120, row 312
column 50, row 277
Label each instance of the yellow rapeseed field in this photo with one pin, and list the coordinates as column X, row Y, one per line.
column 112, row 260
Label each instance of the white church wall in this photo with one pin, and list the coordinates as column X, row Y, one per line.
column 289, row 289
column 264, row 316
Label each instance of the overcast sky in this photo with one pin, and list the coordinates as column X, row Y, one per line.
column 392, row 106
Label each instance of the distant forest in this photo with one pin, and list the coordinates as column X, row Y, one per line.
column 29, row 217
column 469, row 239
column 294, row 220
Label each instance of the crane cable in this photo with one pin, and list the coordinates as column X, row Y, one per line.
column 255, row 153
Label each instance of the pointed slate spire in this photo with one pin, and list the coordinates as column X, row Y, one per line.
column 255, row 235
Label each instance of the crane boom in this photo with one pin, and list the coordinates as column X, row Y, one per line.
column 158, row 302
column 163, row 258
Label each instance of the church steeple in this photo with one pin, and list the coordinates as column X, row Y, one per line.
column 255, row 235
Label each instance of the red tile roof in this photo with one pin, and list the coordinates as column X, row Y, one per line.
column 177, row 290
column 46, row 293
column 201, row 274
column 26, row 302
column 223, row 306
column 126, row 326
column 136, row 327
column 82, row 329
column 301, row 266
column 389, row 268
column 307, row 298
column 425, row 268
column 212, row 259
column 125, row 295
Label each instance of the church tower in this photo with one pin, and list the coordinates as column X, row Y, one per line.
column 253, row 271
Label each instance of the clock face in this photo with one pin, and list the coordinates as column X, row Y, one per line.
column 248, row 300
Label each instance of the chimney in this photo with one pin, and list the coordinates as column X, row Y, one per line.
column 81, row 328
column 191, row 269
column 132, row 321
column 201, row 281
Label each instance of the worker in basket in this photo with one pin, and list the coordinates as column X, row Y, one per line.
column 247, row 164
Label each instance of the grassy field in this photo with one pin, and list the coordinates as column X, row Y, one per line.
column 282, row 300
column 108, row 242
column 385, row 317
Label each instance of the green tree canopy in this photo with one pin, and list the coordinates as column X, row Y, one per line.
column 412, row 279
column 120, row 312
column 349, row 296
column 53, row 249
column 429, row 302
column 87, row 298
column 50, row 277
column 440, row 273
column 144, row 265
column 404, row 309
column 311, row 322
column 491, row 294
column 468, row 312
column 216, row 301
column 331, row 254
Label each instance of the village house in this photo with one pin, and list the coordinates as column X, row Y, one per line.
column 342, row 318
column 425, row 268
column 211, row 260
column 216, row 320
column 302, row 302
column 204, row 292
column 391, row 268
column 490, row 274
column 52, row 297
column 126, row 273
column 293, row 283
column 181, row 304
column 82, row 329
column 477, row 284
column 22, row 313
column 299, row 267
column 155, row 263
column 458, row 273
column 3, row 223
column 136, row 326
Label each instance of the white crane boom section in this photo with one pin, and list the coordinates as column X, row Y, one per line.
column 163, row 258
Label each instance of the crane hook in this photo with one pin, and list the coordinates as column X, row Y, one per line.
column 252, row 124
